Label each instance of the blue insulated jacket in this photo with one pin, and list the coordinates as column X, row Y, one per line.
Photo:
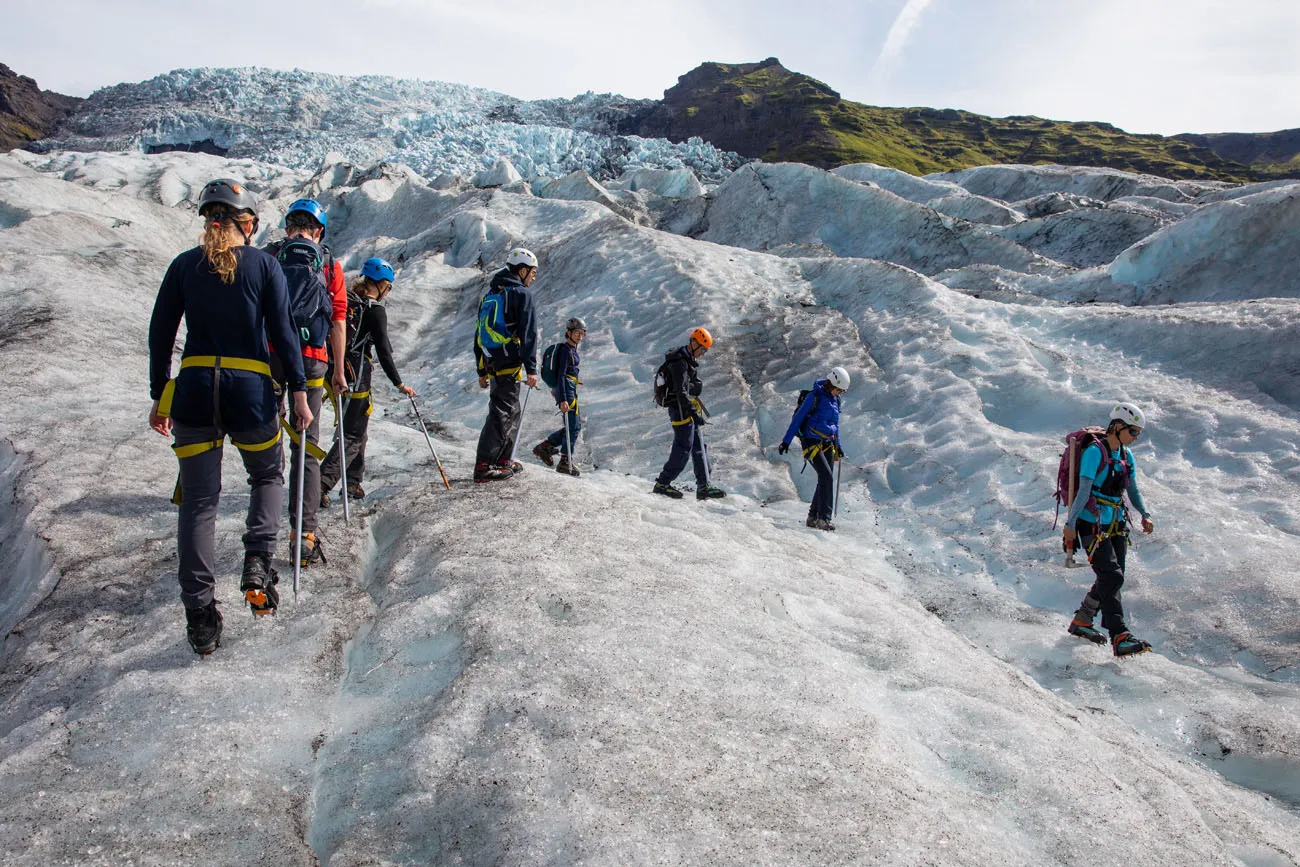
column 818, row 417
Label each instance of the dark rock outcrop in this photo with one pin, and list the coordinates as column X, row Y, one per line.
column 28, row 113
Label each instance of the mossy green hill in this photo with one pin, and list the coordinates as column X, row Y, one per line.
column 764, row 110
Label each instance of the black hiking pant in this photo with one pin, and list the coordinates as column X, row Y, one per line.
column 687, row 445
column 356, row 427
column 1108, row 565
column 823, row 500
column 497, row 441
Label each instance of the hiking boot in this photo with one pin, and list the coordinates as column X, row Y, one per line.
column 311, row 549
column 1084, row 629
column 667, row 490
column 514, row 468
column 486, row 473
column 258, row 584
column 1125, row 644
column 567, row 468
column 709, row 492
column 324, row 500
column 355, row 491
column 545, row 452
column 203, row 628
column 819, row 524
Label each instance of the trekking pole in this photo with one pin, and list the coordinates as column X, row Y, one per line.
column 839, row 474
column 568, row 446
column 515, row 447
column 708, row 465
column 340, row 407
column 424, row 430
column 297, row 536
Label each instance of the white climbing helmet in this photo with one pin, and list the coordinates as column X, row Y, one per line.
column 520, row 256
column 1129, row 413
column 839, row 378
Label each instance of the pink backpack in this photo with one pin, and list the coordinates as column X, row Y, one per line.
column 1067, row 473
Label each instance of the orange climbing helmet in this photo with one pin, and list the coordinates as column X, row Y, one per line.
column 702, row 336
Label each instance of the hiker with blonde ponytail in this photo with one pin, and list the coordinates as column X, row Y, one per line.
column 233, row 298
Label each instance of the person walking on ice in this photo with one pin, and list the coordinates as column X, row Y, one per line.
column 817, row 424
column 505, row 351
column 560, row 362
column 233, row 298
column 678, row 388
column 367, row 330
column 318, row 300
column 1098, row 519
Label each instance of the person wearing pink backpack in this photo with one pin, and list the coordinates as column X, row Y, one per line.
column 1098, row 519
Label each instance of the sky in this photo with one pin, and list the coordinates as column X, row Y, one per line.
column 1161, row 66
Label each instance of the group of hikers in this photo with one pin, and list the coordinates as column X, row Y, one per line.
column 280, row 322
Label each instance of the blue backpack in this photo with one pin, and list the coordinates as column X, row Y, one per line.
column 304, row 263
column 549, row 373
column 492, row 330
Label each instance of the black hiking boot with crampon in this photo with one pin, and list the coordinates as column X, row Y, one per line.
column 709, row 492
column 1084, row 629
column 667, row 490
column 203, row 628
column 567, row 468
column 258, row 584
column 1126, row 644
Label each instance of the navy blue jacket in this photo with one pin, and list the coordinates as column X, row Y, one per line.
column 230, row 320
column 818, row 417
column 683, row 383
column 566, row 366
column 521, row 319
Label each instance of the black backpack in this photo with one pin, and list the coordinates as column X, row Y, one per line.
column 803, row 394
column 304, row 264
column 661, row 383
column 548, row 366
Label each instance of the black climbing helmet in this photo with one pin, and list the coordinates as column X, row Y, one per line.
column 230, row 193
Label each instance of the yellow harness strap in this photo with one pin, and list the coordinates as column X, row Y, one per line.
column 214, row 361
column 312, row 449
column 192, row 449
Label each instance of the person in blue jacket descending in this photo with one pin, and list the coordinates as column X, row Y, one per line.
column 233, row 298
column 1098, row 518
column 817, row 424
column 505, row 351
column 567, row 380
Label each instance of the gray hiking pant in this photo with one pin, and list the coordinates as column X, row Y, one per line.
column 315, row 370
column 200, row 489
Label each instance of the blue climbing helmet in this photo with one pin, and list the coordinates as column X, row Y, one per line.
column 377, row 269
column 311, row 207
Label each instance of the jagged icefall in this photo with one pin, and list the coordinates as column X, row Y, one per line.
column 296, row 118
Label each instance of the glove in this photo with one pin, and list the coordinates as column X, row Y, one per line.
column 695, row 389
column 839, row 452
column 782, row 448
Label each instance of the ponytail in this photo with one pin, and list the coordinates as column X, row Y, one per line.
column 219, row 251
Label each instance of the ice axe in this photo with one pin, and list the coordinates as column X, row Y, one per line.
column 514, row 448
column 425, row 431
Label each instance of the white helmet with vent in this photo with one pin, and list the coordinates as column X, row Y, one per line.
column 520, row 256
column 1128, row 413
column 839, row 377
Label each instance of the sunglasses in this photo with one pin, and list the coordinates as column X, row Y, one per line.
column 1134, row 432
